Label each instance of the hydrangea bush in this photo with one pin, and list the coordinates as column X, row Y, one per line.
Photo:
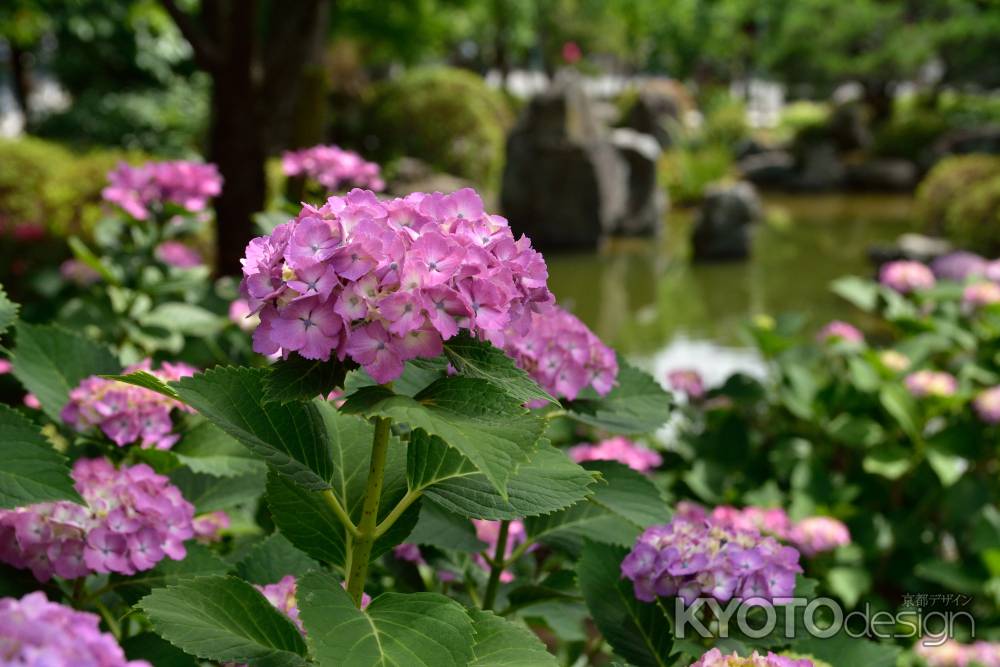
column 427, row 461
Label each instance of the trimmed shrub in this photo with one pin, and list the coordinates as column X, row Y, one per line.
column 446, row 117
column 973, row 219
column 947, row 182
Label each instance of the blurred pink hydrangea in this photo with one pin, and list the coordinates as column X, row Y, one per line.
column 387, row 281
column 688, row 382
column 132, row 519
column 931, row 383
column 715, row 658
column 894, row 361
column 75, row 271
column 189, row 185
column 817, row 534
column 981, row 294
column 987, row 405
column 242, row 316
column 958, row 266
column 178, row 255
column 37, row 633
column 951, row 653
column 333, row 167
column 619, row 449
column 906, row 276
column 840, row 331
column 208, row 527
column 563, row 355
column 489, row 532
column 127, row 413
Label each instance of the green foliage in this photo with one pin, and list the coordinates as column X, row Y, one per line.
column 686, row 172
column 948, row 182
column 637, row 404
column 32, row 471
column 446, row 117
column 973, row 219
column 500, row 642
column 273, row 558
column 479, row 359
column 224, row 619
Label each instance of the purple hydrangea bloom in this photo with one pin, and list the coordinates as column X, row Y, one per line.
column 189, row 185
column 489, row 532
column 619, row 449
column 178, row 255
column 688, row 382
column 840, row 331
column 693, row 557
column 987, row 405
column 38, row 633
column 959, row 266
column 127, row 413
column 906, row 276
column 562, row 354
column 931, row 383
column 387, row 281
column 132, row 519
column 333, row 167
column 715, row 658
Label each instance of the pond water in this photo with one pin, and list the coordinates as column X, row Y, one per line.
column 646, row 299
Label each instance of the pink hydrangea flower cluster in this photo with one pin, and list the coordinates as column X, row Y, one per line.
column 563, row 355
column 189, row 185
column 987, row 405
column 619, row 449
column 489, row 532
column 75, row 271
column 38, row 633
column 333, row 167
column 980, row 294
column 951, row 653
column 281, row 595
column 178, row 255
column 716, row 658
column 127, row 413
column 840, row 331
column 688, row 382
column 692, row 558
column 387, row 281
column 931, row 383
column 811, row 536
column 906, row 276
column 208, row 527
column 132, row 519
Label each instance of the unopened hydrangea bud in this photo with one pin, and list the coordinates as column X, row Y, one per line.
column 127, row 413
column 188, row 185
column 619, row 449
column 840, row 331
column 387, row 281
column 716, row 658
column 132, row 519
column 37, row 633
column 333, row 167
column 931, row 383
column 906, row 276
column 987, row 405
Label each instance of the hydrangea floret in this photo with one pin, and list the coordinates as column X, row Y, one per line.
column 840, row 331
column 333, row 167
column 619, row 448
column 40, row 633
column 127, row 413
column 138, row 189
column 926, row 383
column 132, row 519
column 906, row 276
column 382, row 282
column 716, row 658
column 688, row 382
column 692, row 558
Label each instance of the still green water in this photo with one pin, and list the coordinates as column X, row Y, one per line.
column 644, row 296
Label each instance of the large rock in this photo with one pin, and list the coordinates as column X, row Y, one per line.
column 659, row 106
column 647, row 201
column 916, row 247
column 882, row 174
column 820, row 167
column 770, row 169
column 722, row 230
column 564, row 183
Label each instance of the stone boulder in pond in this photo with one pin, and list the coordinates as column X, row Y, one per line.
column 565, row 184
column 725, row 220
column 647, row 201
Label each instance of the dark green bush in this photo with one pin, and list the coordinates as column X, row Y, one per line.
column 948, row 182
column 973, row 219
column 446, row 117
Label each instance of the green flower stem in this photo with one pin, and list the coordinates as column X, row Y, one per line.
column 361, row 549
column 338, row 509
column 397, row 511
column 497, row 568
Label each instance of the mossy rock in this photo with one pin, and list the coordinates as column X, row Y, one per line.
column 446, row 117
column 948, row 182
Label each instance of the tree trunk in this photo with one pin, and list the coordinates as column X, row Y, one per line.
column 236, row 141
